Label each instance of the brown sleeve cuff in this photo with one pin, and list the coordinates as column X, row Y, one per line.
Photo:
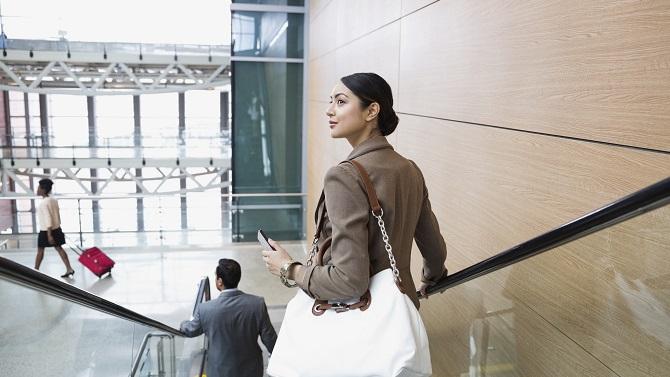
column 434, row 280
column 304, row 284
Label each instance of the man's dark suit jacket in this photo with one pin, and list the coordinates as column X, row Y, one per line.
column 232, row 322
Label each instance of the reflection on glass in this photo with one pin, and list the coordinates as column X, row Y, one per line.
column 45, row 335
column 267, row 134
column 596, row 306
column 267, row 34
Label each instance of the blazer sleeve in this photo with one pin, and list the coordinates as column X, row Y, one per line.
column 347, row 274
column 429, row 240
column 193, row 327
column 267, row 331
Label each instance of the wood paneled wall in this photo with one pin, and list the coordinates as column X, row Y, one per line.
column 523, row 116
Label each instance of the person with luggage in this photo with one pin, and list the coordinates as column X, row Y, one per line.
column 51, row 235
column 232, row 322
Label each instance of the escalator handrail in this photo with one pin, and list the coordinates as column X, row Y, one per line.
column 22, row 275
column 637, row 203
column 203, row 293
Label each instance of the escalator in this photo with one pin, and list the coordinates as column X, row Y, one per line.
column 50, row 327
column 485, row 320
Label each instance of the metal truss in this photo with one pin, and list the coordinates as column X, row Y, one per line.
column 207, row 174
column 92, row 69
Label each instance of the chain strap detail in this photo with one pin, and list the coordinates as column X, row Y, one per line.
column 312, row 252
column 387, row 244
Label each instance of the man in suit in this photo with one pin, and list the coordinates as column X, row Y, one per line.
column 232, row 323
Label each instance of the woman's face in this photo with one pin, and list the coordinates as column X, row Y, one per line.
column 346, row 116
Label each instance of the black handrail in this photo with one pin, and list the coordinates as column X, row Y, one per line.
column 28, row 277
column 203, row 293
column 637, row 203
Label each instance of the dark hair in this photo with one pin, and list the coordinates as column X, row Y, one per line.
column 370, row 87
column 46, row 184
column 229, row 271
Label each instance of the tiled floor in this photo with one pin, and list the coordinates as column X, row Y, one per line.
column 41, row 333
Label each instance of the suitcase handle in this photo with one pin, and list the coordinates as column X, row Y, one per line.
column 77, row 249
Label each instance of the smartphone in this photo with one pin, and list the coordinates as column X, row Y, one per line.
column 263, row 239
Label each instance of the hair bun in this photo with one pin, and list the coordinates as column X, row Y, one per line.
column 369, row 88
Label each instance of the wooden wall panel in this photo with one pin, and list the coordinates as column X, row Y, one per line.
column 343, row 21
column 322, row 30
column 315, row 7
column 409, row 6
column 598, row 70
column 376, row 52
column 323, row 76
column 492, row 189
column 356, row 19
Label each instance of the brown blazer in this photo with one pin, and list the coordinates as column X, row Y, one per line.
column 357, row 250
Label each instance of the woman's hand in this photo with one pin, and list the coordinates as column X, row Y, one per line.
column 422, row 290
column 425, row 285
column 275, row 259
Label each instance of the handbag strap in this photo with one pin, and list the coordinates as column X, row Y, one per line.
column 377, row 212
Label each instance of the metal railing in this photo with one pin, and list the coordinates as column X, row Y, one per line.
column 142, row 365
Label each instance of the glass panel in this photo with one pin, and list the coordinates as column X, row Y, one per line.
column 598, row 306
column 34, row 107
column 118, row 215
column 23, row 205
column 114, row 121
column 17, row 108
column 42, row 333
column 203, row 114
column 268, row 34
column 267, row 139
column 163, row 212
column 25, row 222
column 68, row 131
column 67, row 105
column 204, row 210
column 75, row 213
column 15, row 96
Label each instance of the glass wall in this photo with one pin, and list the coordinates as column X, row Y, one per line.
column 268, row 34
column 115, row 124
column 267, row 139
column 267, row 121
column 69, row 136
column 68, row 120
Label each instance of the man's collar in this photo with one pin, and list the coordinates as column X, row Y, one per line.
column 230, row 292
column 372, row 144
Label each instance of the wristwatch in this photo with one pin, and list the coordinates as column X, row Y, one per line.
column 283, row 274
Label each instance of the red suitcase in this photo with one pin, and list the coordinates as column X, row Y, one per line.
column 96, row 261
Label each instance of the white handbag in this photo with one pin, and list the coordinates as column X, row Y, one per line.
column 386, row 338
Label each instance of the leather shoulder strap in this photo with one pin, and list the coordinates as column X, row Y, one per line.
column 369, row 189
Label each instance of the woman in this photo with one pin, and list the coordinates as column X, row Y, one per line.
column 361, row 110
column 51, row 234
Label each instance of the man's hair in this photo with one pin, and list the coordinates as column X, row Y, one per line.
column 46, row 184
column 229, row 271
